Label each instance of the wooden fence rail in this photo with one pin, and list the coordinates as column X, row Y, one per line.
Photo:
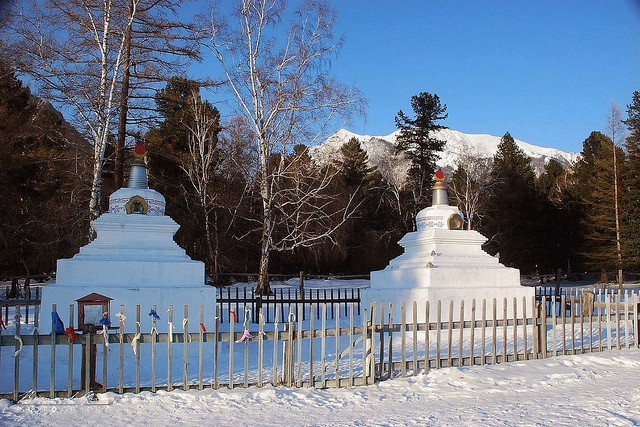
column 349, row 350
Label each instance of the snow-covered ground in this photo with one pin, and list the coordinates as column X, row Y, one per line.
column 585, row 390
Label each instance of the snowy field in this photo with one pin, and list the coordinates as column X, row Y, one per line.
column 586, row 390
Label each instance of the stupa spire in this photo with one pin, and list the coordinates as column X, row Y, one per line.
column 138, row 173
column 439, row 195
column 439, row 214
column 137, row 197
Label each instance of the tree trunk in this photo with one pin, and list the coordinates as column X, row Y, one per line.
column 124, row 103
column 263, row 287
column 207, row 227
column 96, row 193
column 604, row 278
column 617, row 211
column 266, row 181
column 615, row 126
column 216, row 249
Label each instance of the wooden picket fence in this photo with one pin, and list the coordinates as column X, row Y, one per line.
column 609, row 320
column 347, row 351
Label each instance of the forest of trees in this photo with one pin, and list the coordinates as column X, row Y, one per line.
column 245, row 190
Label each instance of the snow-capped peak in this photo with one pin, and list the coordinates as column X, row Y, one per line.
column 381, row 151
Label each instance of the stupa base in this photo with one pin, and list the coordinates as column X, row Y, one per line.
column 463, row 286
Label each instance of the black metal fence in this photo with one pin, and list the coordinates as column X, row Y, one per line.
column 563, row 301
column 238, row 303
column 22, row 293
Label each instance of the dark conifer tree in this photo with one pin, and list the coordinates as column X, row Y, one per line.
column 417, row 140
column 513, row 221
column 167, row 144
column 364, row 243
column 43, row 166
column 176, row 169
column 631, row 186
column 593, row 206
column 355, row 168
column 556, row 233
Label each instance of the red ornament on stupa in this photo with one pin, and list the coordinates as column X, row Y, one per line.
column 439, row 175
column 140, row 150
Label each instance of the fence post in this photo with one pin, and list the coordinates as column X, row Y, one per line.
column 121, row 317
column 368, row 330
column 70, row 371
column 89, row 351
column 288, row 357
column 16, row 360
column 636, row 309
column 257, row 308
column 302, row 284
column 52, row 378
column 170, row 349
column 540, row 330
column 185, row 348
column 154, row 339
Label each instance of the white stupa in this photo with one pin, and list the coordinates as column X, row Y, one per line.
column 441, row 261
column 133, row 260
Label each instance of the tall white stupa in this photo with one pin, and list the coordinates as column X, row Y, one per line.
column 441, row 261
column 133, row 260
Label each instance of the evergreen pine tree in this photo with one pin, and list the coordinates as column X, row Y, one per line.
column 44, row 165
column 192, row 168
column 556, row 234
column 594, row 207
column 552, row 182
column 514, row 221
column 631, row 186
column 355, row 168
column 416, row 139
column 365, row 228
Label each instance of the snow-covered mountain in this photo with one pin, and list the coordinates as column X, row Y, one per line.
column 382, row 153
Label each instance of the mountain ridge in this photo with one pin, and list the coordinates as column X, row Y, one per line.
column 381, row 150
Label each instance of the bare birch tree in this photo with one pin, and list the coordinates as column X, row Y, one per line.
column 393, row 170
column 615, row 130
column 74, row 49
column 470, row 183
column 201, row 163
column 309, row 209
column 278, row 78
column 80, row 53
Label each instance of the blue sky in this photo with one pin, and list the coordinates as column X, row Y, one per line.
column 545, row 71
